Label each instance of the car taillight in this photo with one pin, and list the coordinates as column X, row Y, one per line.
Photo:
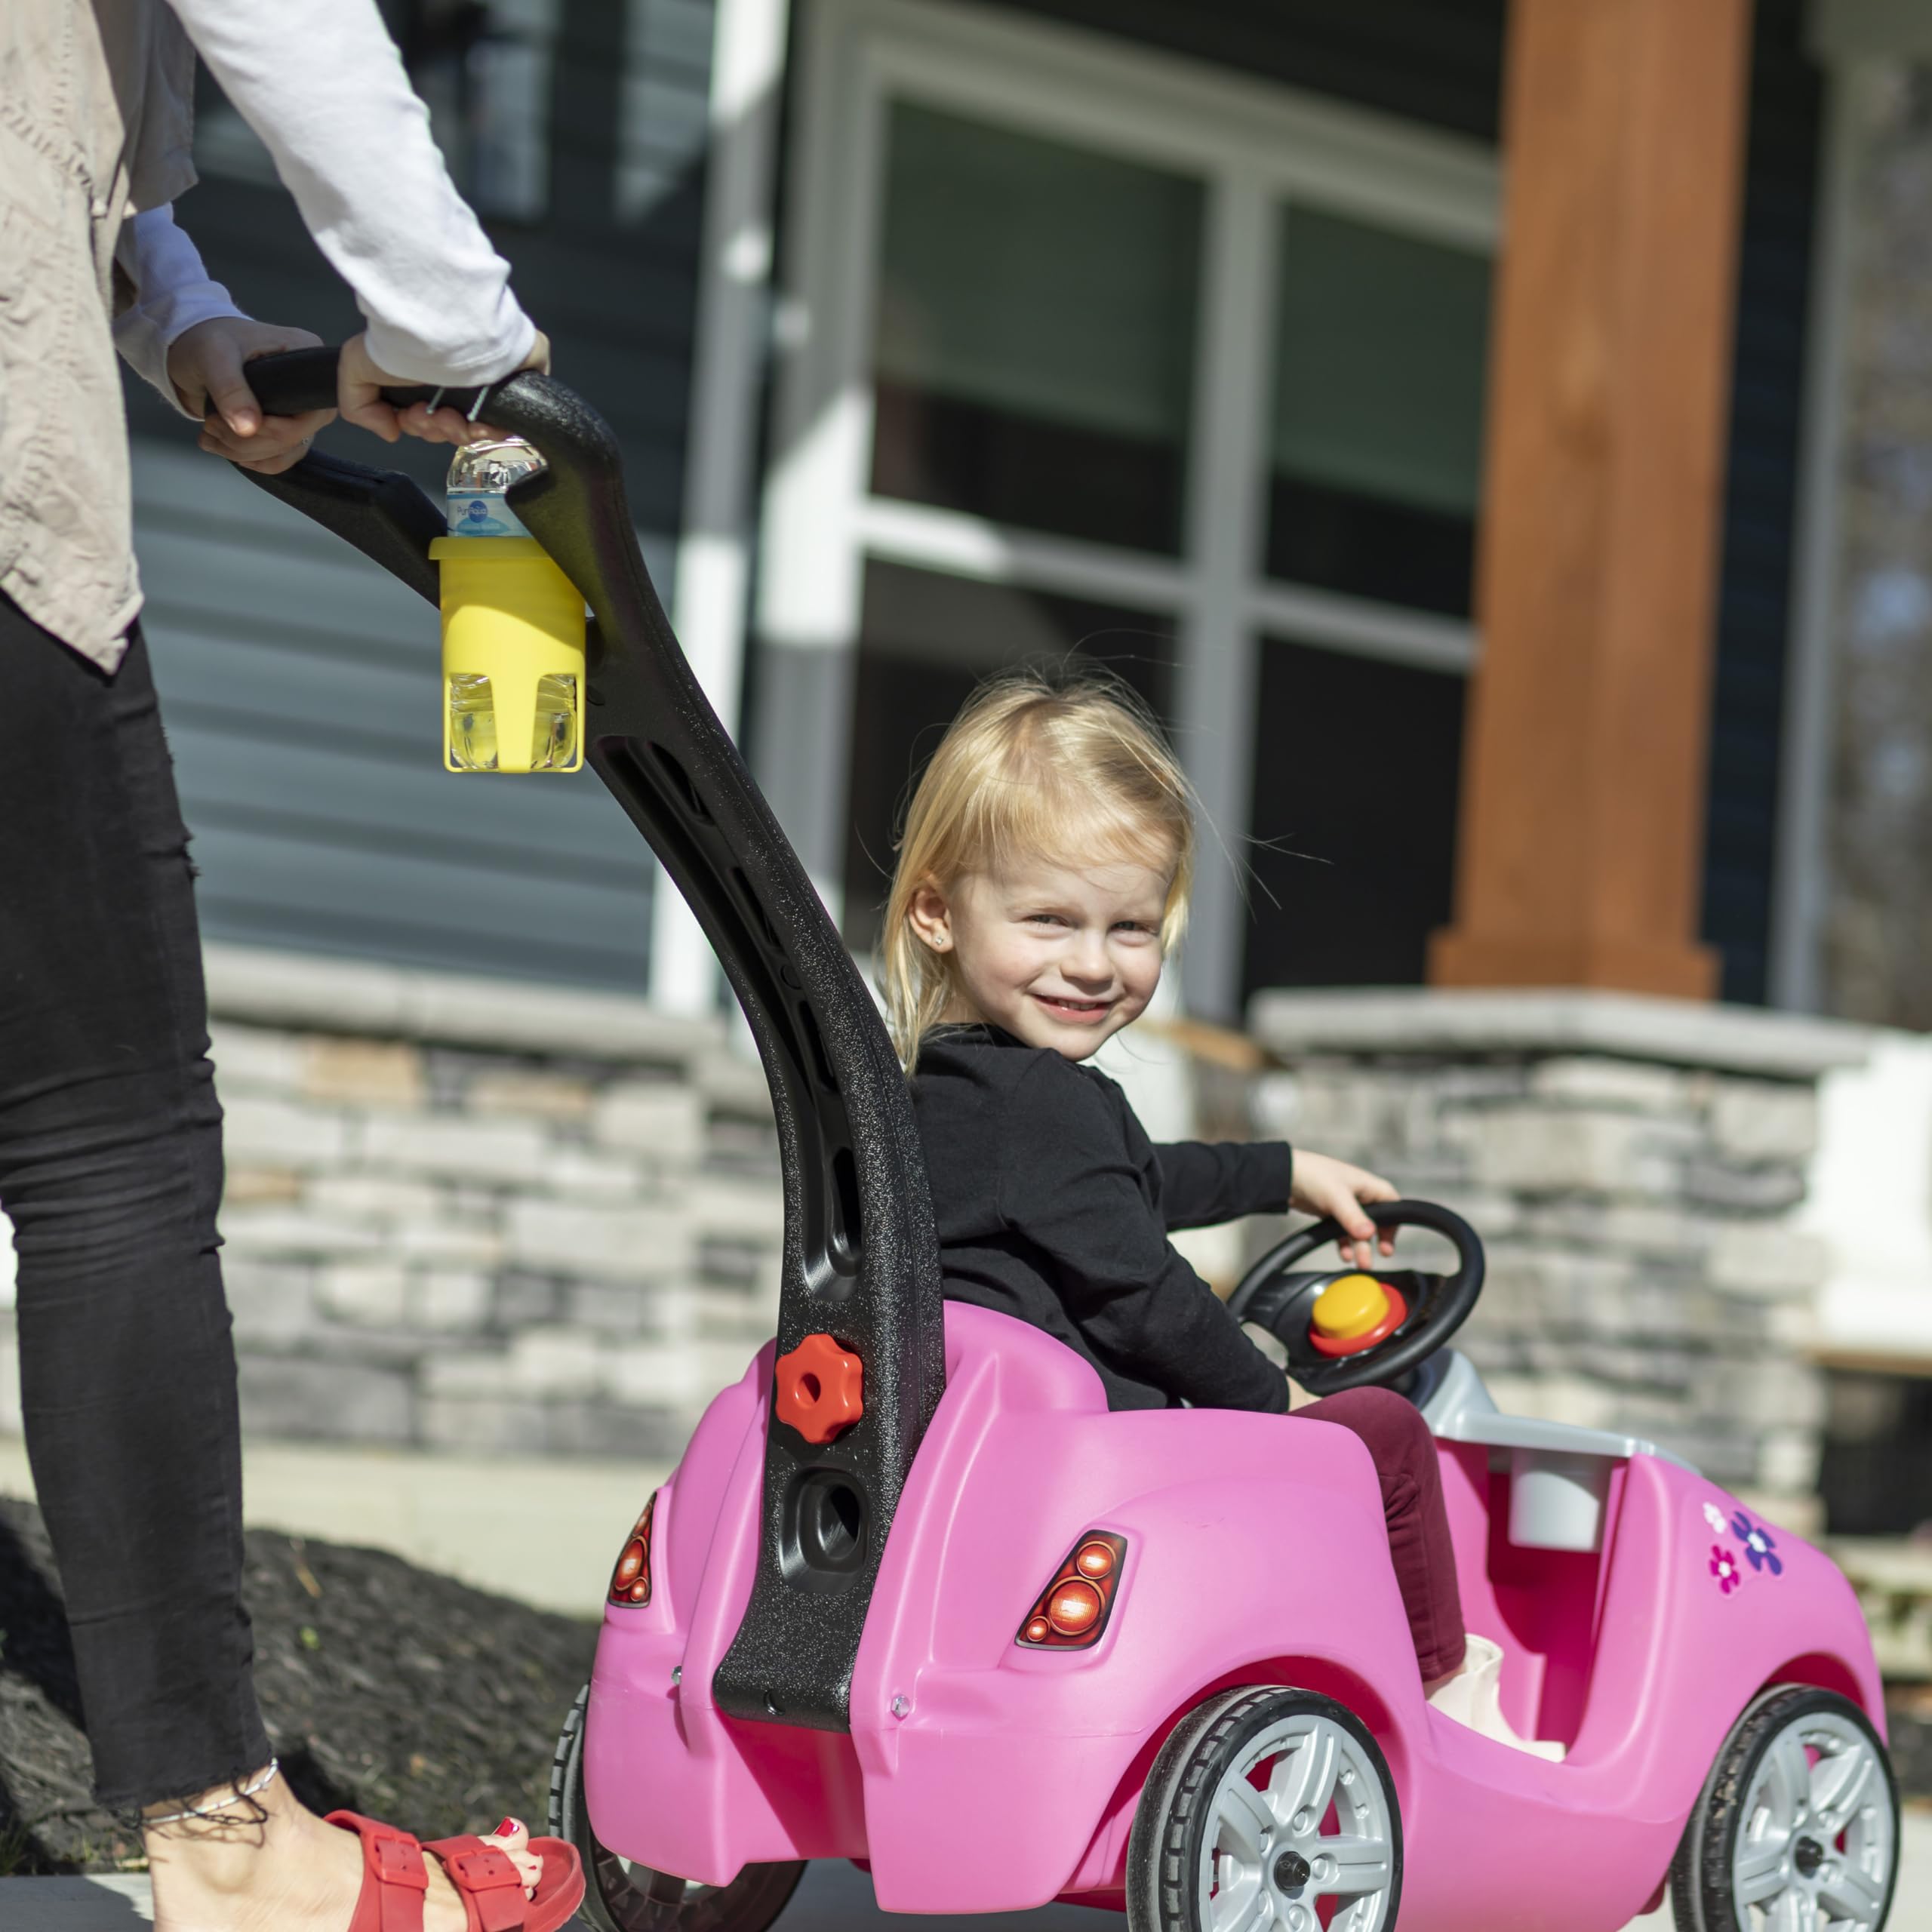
column 1073, row 1609
column 630, row 1581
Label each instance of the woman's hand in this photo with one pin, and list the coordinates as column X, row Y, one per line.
column 205, row 365
column 1325, row 1185
column 359, row 386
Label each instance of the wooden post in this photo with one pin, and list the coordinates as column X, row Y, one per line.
column 1582, row 808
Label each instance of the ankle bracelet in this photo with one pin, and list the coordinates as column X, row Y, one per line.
column 247, row 1791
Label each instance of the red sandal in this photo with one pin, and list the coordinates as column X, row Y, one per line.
column 395, row 1878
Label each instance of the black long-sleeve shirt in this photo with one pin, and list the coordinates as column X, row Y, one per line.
column 1053, row 1205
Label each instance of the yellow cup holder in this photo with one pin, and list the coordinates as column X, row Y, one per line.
column 512, row 656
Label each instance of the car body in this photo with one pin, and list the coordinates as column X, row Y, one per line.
column 978, row 1776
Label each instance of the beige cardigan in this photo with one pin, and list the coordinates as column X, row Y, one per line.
column 96, row 118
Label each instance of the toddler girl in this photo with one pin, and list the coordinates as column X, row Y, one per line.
column 1042, row 879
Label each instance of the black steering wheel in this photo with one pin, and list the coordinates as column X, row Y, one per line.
column 1431, row 1308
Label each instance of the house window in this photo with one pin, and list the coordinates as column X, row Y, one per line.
column 1375, row 452
column 1099, row 352
column 1033, row 350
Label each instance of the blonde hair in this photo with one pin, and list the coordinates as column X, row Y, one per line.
column 1072, row 769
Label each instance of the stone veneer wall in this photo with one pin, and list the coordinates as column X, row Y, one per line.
column 480, row 1218
column 476, row 1217
column 1633, row 1167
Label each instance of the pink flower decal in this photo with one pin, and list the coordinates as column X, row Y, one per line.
column 1724, row 1568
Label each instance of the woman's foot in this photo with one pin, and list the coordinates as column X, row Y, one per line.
column 268, row 1864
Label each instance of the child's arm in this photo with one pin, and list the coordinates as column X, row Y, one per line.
column 1326, row 1186
column 1203, row 1182
column 1067, row 1185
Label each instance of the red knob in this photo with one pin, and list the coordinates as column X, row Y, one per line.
column 820, row 1389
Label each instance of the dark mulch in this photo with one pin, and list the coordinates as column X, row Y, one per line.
column 1908, row 1730
column 386, row 1689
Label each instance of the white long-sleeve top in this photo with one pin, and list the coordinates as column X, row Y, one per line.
column 322, row 85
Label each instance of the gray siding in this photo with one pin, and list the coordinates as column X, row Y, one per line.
column 301, row 689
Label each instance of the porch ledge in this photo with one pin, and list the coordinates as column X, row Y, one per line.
column 264, row 987
column 1429, row 1020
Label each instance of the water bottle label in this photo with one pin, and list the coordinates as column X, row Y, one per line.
column 483, row 516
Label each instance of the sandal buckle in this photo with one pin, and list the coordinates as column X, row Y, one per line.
column 482, row 1870
column 398, row 1861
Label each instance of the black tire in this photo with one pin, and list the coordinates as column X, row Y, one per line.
column 1175, row 1824
column 620, row 1897
column 1705, row 1895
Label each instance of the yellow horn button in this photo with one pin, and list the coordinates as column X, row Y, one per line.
column 1349, row 1306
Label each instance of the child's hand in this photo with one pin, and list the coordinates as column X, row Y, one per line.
column 1325, row 1185
column 205, row 365
column 359, row 385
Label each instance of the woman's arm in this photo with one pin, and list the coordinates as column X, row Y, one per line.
column 171, row 291
column 1205, row 1182
column 180, row 329
column 321, row 83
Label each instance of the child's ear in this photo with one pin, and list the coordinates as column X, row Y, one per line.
column 930, row 917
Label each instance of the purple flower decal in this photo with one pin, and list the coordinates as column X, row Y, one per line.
column 1724, row 1568
column 1759, row 1544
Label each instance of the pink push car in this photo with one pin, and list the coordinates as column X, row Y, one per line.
column 915, row 1598
column 1157, row 1660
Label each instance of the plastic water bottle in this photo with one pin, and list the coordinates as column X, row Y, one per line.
column 480, row 474
column 513, row 625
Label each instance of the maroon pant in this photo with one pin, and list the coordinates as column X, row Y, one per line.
column 1411, row 1478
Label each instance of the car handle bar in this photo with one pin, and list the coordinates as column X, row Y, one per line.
column 861, row 1260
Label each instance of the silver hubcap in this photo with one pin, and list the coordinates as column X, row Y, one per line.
column 1299, row 1817
column 1817, row 1842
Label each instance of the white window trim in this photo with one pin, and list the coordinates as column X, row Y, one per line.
column 1252, row 144
column 712, row 573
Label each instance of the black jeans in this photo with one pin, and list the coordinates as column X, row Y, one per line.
column 111, row 1172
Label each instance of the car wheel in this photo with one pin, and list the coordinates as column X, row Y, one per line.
column 621, row 1895
column 1266, row 1807
column 1797, row 1824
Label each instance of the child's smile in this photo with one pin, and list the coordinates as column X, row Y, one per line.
column 1061, row 957
column 1080, row 1012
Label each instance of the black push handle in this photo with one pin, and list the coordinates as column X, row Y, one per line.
column 861, row 1260
column 298, row 380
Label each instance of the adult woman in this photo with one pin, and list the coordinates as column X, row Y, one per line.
column 110, row 1161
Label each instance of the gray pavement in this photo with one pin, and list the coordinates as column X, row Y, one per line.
column 833, row 1898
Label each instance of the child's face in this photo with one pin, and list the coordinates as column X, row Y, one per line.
column 1059, row 957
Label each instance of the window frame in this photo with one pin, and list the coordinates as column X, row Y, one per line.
column 1255, row 147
